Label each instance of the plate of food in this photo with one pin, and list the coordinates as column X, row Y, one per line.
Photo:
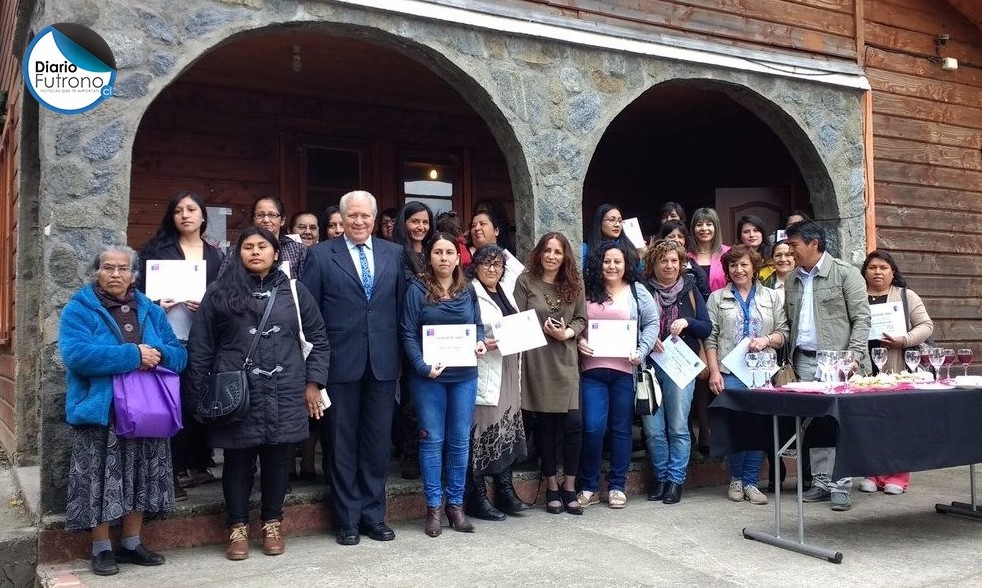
column 932, row 386
column 968, row 382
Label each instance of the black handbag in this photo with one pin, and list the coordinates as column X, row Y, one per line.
column 225, row 398
column 647, row 392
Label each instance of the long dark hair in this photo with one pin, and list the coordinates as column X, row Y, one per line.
column 433, row 288
column 167, row 233
column 568, row 281
column 593, row 275
column 668, row 226
column 898, row 278
column 401, row 237
column 232, row 291
column 326, row 222
column 595, row 236
column 751, row 219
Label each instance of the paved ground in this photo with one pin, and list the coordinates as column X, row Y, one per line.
column 886, row 540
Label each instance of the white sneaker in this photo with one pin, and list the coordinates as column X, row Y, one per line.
column 754, row 495
column 735, row 493
column 867, row 485
column 893, row 489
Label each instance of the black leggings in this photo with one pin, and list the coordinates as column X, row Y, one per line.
column 237, row 478
column 553, row 430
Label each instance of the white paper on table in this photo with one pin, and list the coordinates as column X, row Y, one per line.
column 518, row 332
column 450, row 345
column 178, row 279
column 179, row 319
column 736, row 362
column 678, row 361
column 887, row 317
column 612, row 338
column 632, row 230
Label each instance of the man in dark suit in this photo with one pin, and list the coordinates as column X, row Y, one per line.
column 358, row 282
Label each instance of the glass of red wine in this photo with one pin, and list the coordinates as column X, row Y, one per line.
column 965, row 358
column 926, row 359
column 949, row 358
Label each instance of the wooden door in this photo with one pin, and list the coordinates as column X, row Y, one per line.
column 769, row 203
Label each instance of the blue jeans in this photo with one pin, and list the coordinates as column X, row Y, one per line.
column 608, row 402
column 667, row 431
column 445, row 411
column 744, row 465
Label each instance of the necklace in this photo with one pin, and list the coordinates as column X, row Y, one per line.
column 554, row 304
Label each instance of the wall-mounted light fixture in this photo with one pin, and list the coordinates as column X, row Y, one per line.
column 434, row 175
column 947, row 63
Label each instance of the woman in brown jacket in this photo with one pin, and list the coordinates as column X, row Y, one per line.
column 552, row 287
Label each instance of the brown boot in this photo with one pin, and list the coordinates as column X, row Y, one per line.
column 458, row 520
column 273, row 542
column 433, row 526
column 238, row 543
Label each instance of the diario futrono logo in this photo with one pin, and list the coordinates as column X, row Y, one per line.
column 69, row 68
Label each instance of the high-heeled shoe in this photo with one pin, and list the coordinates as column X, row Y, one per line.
column 570, row 503
column 553, row 496
column 458, row 520
column 433, row 526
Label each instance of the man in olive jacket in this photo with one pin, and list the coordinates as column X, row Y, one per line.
column 827, row 307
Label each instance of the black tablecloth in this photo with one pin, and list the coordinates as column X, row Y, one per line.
column 874, row 433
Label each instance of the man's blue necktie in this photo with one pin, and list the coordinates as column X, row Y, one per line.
column 366, row 272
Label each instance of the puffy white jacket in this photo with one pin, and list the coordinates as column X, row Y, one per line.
column 489, row 366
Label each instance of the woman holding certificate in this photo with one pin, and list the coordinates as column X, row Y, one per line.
column 744, row 310
column 682, row 313
column 442, row 317
column 607, row 377
column 498, row 433
column 180, row 237
column 886, row 285
column 550, row 375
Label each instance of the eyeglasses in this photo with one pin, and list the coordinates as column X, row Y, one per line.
column 495, row 265
column 112, row 269
column 269, row 215
column 613, row 220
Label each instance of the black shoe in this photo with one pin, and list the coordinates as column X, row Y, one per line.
column 505, row 498
column 673, row 493
column 377, row 531
column 476, row 503
column 570, row 503
column 104, row 563
column 348, row 535
column 657, row 492
column 553, row 496
column 140, row 556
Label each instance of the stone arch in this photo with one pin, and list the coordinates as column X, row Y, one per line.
column 819, row 126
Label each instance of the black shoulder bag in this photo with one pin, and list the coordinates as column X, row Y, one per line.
column 647, row 392
column 225, row 399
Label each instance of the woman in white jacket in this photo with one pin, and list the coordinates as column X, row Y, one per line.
column 497, row 434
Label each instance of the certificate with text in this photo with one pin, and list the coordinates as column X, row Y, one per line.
column 609, row 338
column 887, row 317
column 518, row 332
column 678, row 361
column 179, row 279
column 450, row 345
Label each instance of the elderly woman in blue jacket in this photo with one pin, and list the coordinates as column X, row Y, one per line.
column 109, row 328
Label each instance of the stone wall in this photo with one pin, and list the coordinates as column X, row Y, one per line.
column 547, row 103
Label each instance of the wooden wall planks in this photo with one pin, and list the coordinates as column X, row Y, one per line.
column 927, row 146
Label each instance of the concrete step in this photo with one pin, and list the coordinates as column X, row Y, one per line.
column 200, row 520
column 18, row 534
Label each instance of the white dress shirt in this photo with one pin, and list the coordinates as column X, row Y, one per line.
column 807, row 333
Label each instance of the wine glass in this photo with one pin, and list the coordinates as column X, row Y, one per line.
column 949, row 358
column 826, row 363
column 926, row 359
column 879, row 357
column 912, row 357
column 936, row 356
column 768, row 362
column 844, row 362
column 753, row 360
column 965, row 358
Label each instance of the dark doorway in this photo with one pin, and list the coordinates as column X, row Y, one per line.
column 684, row 143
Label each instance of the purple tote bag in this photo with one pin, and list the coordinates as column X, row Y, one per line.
column 147, row 403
